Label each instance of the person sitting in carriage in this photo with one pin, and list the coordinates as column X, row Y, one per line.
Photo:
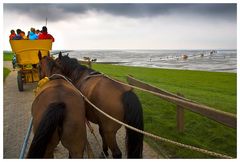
column 44, row 34
column 38, row 32
column 12, row 35
column 32, row 34
column 23, row 35
column 18, row 35
column 14, row 61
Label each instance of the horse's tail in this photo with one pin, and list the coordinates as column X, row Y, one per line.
column 52, row 118
column 133, row 116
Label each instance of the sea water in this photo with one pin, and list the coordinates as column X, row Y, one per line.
column 207, row 60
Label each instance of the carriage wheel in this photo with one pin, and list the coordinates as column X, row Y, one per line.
column 20, row 81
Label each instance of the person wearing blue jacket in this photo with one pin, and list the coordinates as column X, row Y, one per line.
column 32, row 35
column 18, row 36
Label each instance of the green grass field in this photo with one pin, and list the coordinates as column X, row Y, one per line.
column 7, row 56
column 215, row 89
column 6, row 71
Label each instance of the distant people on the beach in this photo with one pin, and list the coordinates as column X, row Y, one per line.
column 94, row 60
column 44, row 34
column 18, row 36
column 12, row 35
column 32, row 34
column 212, row 52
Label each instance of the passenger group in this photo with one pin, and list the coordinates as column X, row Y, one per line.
column 32, row 34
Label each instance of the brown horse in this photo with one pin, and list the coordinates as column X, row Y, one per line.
column 111, row 97
column 58, row 115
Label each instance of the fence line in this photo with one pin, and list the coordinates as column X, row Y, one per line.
column 222, row 117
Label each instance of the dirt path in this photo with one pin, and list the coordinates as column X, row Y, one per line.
column 17, row 113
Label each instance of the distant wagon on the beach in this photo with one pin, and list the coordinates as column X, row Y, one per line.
column 26, row 52
column 86, row 58
column 212, row 52
column 184, row 57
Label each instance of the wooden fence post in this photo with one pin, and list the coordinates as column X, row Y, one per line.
column 180, row 116
column 89, row 63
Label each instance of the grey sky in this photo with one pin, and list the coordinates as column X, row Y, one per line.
column 129, row 26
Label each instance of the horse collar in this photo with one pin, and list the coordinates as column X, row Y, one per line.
column 41, row 83
column 45, row 80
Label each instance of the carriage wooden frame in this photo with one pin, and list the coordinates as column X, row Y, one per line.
column 26, row 52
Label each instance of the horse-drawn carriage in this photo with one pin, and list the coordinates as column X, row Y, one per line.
column 26, row 52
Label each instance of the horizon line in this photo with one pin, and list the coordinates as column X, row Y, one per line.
column 139, row 49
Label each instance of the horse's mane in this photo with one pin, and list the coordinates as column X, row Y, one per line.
column 72, row 68
column 51, row 62
column 72, row 64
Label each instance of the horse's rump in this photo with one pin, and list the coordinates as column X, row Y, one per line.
column 58, row 113
column 51, row 120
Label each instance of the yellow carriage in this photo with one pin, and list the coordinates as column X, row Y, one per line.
column 27, row 58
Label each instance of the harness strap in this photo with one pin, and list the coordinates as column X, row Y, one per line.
column 59, row 76
column 90, row 76
column 42, row 84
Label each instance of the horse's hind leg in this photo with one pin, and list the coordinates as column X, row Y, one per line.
column 74, row 139
column 49, row 153
column 112, row 143
column 104, row 143
column 75, row 148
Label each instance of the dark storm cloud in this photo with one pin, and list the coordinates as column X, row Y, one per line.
column 57, row 12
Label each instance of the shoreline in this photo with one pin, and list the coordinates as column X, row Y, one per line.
column 227, row 70
column 221, row 61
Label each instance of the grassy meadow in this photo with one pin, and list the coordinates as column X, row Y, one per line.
column 215, row 89
column 7, row 56
column 6, row 71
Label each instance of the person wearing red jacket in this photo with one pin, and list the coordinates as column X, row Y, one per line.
column 44, row 34
column 13, row 34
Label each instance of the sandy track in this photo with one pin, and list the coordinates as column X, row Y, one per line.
column 17, row 113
